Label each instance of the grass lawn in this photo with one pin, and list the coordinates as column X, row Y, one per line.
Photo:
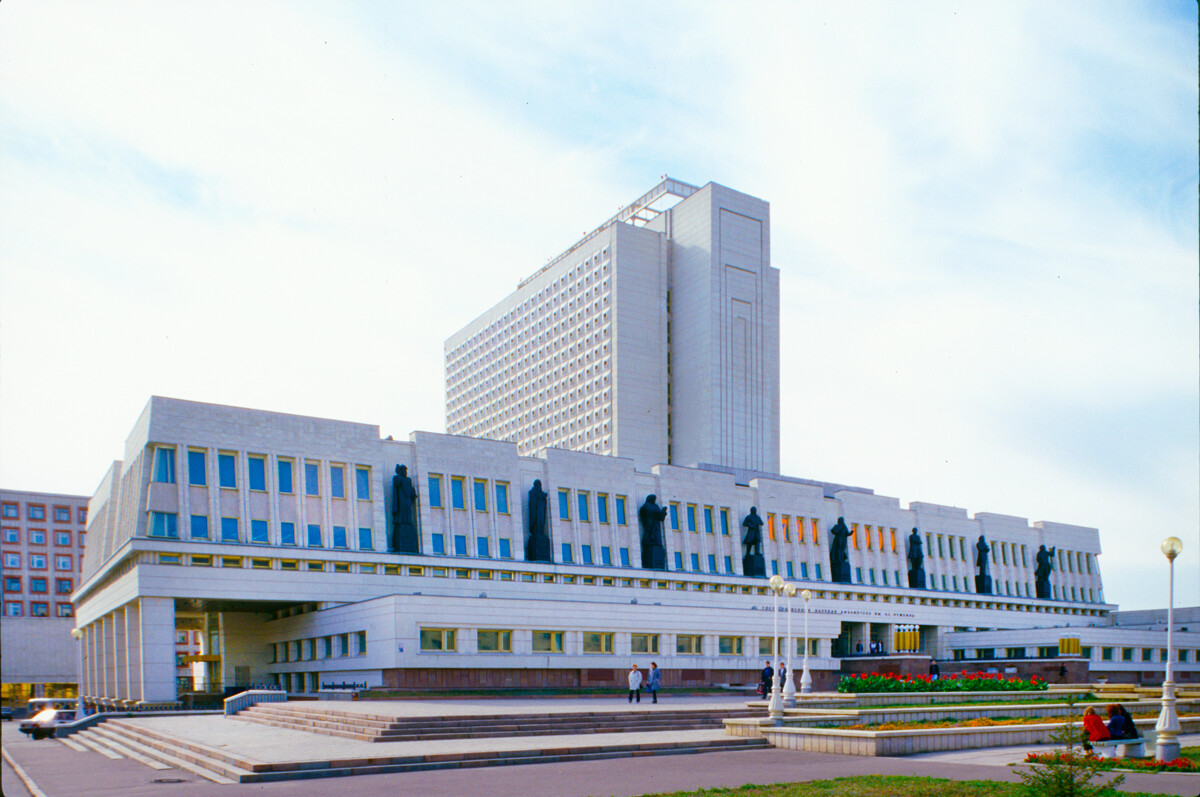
column 878, row 786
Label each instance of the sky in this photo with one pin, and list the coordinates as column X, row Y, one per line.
column 984, row 215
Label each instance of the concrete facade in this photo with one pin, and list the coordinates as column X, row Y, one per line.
column 658, row 343
column 268, row 535
column 42, row 543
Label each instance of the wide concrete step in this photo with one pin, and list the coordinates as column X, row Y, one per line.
column 416, row 763
column 208, row 763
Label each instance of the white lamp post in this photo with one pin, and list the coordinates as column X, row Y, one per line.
column 1166, row 746
column 805, row 679
column 789, row 688
column 775, row 706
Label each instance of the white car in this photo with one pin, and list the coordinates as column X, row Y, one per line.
column 45, row 714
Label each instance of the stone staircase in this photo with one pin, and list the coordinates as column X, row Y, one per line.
column 384, row 728
column 124, row 738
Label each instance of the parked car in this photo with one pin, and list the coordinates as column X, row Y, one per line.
column 45, row 714
column 6, row 713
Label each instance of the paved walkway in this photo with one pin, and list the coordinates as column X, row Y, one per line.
column 60, row 772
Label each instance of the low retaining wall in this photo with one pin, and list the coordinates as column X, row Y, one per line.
column 244, row 700
column 926, row 740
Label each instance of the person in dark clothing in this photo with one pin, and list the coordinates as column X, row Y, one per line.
column 764, row 685
column 934, row 671
column 1131, row 731
column 654, row 680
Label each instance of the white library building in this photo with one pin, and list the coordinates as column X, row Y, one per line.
column 613, row 439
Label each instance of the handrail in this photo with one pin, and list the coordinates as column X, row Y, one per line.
column 244, row 700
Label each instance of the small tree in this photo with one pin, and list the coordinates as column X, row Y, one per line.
column 1069, row 773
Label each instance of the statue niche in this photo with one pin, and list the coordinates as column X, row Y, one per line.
column 839, row 552
column 753, row 563
column 405, row 537
column 537, row 547
column 983, row 579
column 916, row 561
column 651, row 516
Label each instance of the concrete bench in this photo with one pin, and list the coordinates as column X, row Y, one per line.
column 1120, row 748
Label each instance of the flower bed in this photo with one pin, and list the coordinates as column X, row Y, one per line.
column 1136, row 764
column 953, row 682
column 978, row 722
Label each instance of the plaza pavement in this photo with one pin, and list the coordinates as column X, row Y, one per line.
column 58, row 771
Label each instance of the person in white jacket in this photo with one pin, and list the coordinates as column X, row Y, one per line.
column 635, row 684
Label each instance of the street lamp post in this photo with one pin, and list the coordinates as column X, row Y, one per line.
column 775, row 706
column 1166, row 746
column 805, row 679
column 789, row 688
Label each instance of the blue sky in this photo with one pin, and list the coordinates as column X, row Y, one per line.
column 984, row 214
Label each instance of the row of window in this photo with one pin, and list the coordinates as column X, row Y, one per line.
column 37, row 609
column 38, row 561
column 255, row 473
column 496, row 640
column 62, row 539
column 63, row 586
column 62, row 514
column 1106, row 653
column 229, row 529
column 320, row 647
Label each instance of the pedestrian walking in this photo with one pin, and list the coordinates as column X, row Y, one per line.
column 765, row 680
column 635, row 684
column 654, row 681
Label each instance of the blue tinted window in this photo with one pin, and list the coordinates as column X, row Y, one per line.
column 606, row 556
column 287, row 533
column 624, row 557
column 502, row 498
column 460, row 545
column 199, row 527
column 728, row 564
column 435, row 491
column 621, row 510
column 602, row 508
column 481, row 547
column 695, row 561
column 585, row 551
column 164, row 524
column 791, row 572
column 314, row 535
column 566, row 553
column 804, row 570
column 229, row 529
column 725, row 522
column 457, row 498
column 564, row 504
column 227, row 470
column 774, row 567
column 337, row 481
column 164, row 465
column 675, row 516
column 439, row 544
column 678, row 560
column 505, row 548
column 480, row 488
column 691, row 517
column 818, row 567
column 196, row 473
column 312, row 478
column 258, row 531
column 362, row 483
column 583, row 507
column 712, row 563
column 365, row 543
column 708, row 526
column 339, row 537
column 285, row 476
column 258, row 473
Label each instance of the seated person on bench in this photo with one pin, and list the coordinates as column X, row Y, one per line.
column 1093, row 729
column 1120, row 724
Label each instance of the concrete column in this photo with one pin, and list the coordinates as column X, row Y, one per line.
column 110, row 660
column 157, row 638
column 133, row 650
